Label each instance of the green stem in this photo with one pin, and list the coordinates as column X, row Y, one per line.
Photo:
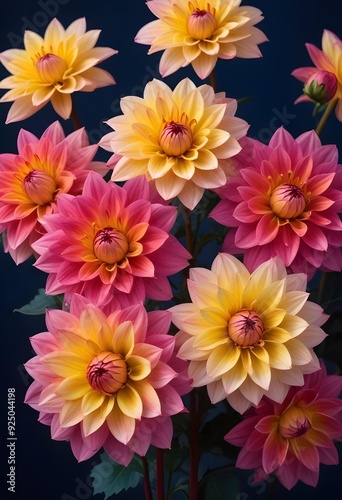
column 328, row 110
column 147, row 484
column 74, row 118
column 212, row 79
column 160, row 474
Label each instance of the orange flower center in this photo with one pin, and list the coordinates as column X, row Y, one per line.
column 245, row 328
column 107, row 373
column 51, row 68
column 288, row 201
column 293, row 423
column 39, row 186
column 110, row 245
column 201, row 24
column 175, row 139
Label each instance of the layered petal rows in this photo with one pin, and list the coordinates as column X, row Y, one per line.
column 182, row 139
column 111, row 381
column 285, row 201
column 52, row 68
column 199, row 32
column 110, row 241
column 247, row 335
column 32, row 180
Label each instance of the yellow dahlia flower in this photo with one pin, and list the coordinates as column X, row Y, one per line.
column 247, row 335
column 52, row 68
column 182, row 139
column 199, row 32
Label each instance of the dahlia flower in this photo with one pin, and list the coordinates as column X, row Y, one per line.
column 110, row 240
column 199, row 32
column 107, row 380
column 247, row 335
column 32, row 180
column 285, row 201
column 52, row 68
column 182, row 139
column 326, row 60
column 290, row 439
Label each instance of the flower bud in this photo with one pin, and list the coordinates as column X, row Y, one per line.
column 51, row 68
column 321, row 86
column 107, row 373
column 40, row 187
column 287, row 201
column 110, row 245
column 245, row 328
column 175, row 139
column 201, row 24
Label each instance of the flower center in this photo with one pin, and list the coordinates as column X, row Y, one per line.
column 107, row 373
column 245, row 328
column 201, row 24
column 40, row 187
column 175, row 139
column 51, row 68
column 287, row 201
column 293, row 423
column 110, row 245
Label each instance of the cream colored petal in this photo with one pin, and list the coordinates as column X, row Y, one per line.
column 73, row 387
column 272, row 317
column 62, row 104
column 129, row 401
column 42, row 95
column 92, row 401
column 260, row 373
column 190, row 195
column 216, row 391
column 251, row 391
column 299, row 353
column 279, row 356
column 209, row 179
column 123, row 339
column 232, row 379
column 169, row 185
column 183, row 168
column 293, row 301
column 120, row 425
column 127, row 168
column 222, row 359
column 294, row 325
column 159, row 165
column 71, row 413
column 21, row 109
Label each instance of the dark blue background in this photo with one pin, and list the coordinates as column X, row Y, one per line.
column 46, row 469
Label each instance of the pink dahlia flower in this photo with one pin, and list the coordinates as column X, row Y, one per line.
column 328, row 61
column 285, row 201
column 292, row 438
column 111, row 381
column 110, row 240
column 32, row 180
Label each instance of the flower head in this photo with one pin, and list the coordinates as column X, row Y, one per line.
column 291, row 439
column 247, row 335
column 107, row 380
column 32, row 180
column 327, row 61
column 110, row 240
column 182, row 139
column 285, row 201
column 52, row 68
column 198, row 32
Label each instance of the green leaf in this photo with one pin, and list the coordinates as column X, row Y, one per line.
column 219, row 484
column 110, row 478
column 39, row 303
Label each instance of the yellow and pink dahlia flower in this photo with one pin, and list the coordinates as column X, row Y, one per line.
column 52, row 68
column 181, row 139
column 110, row 240
column 291, row 439
column 111, row 381
column 285, row 201
column 199, row 32
column 32, row 180
column 327, row 66
column 247, row 335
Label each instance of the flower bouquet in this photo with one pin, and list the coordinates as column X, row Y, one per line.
column 190, row 300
